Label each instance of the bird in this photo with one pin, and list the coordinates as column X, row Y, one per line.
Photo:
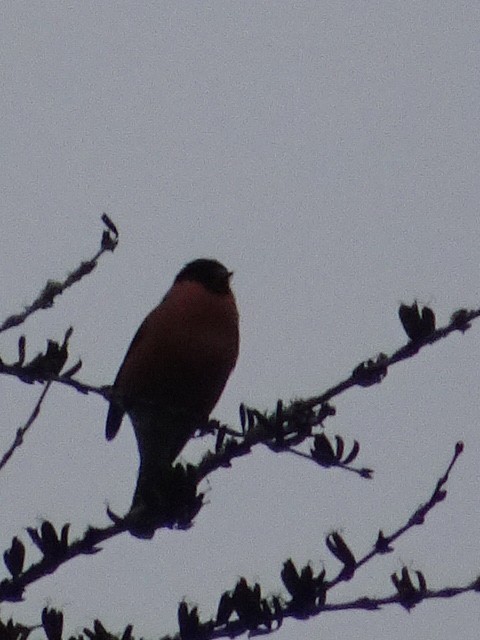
column 175, row 370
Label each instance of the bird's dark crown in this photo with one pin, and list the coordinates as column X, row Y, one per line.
column 211, row 273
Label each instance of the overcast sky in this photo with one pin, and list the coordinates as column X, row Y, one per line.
column 328, row 153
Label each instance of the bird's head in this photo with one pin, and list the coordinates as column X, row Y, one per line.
column 211, row 273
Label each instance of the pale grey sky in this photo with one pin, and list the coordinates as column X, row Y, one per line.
column 328, row 154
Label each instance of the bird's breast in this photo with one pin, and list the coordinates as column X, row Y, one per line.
column 184, row 351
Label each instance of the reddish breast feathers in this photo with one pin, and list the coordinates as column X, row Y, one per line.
column 183, row 352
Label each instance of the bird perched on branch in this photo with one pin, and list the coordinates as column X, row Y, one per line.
column 175, row 370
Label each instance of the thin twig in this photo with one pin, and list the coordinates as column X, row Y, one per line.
column 54, row 288
column 21, row 431
column 375, row 371
column 82, row 387
column 384, row 543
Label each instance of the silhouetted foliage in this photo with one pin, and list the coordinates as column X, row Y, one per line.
column 244, row 608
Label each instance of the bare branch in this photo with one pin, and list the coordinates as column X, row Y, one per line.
column 21, row 431
column 384, row 544
column 54, row 288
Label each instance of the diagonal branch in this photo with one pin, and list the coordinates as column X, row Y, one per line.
column 57, row 550
column 364, row 374
column 21, row 431
column 54, row 288
column 384, row 543
column 374, row 371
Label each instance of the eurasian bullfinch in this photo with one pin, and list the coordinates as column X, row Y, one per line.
column 176, row 368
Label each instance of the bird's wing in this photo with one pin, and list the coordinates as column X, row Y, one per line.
column 116, row 411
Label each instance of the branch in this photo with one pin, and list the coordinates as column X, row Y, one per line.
column 262, row 616
column 29, row 376
column 21, row 431
column 243, row 609
column 250, row 598
column 308, row 593
column 54, row 288
column 374, row 371
column 280, row 430
column 310, row 411
column 44, row 366
column 384, row 544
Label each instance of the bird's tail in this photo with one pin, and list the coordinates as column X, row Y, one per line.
column 160, row 438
